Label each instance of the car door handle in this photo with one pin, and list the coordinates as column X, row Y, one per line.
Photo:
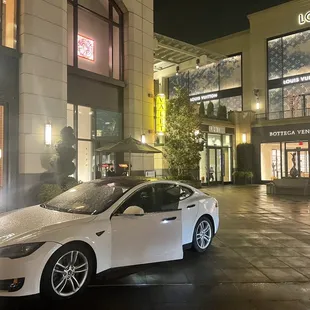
column 191, row 206
column 169, row 219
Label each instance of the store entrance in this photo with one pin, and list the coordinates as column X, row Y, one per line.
column 297, row 163
column 215, row 166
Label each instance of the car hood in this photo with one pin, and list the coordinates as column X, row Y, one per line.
column 28, row 224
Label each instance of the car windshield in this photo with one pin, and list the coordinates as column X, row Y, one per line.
column 87, row 198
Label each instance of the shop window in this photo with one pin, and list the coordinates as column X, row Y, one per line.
column 100, row 7
column 84, row 122
column 70, row 34
column 178, row 82
column 108, row 125
column 116, row 54
column 93, row 43
column 227, row 140
column 275, row 103
column 204, row 80
column 9, row 23
column 85, row 157
column 232, row 103
column 275, row 61
column 214, row 140
column 296, row 54
column 97, row 47
column 230, row 72
column 270, row 161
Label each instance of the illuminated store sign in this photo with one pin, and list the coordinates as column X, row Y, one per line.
column 289, row 132
column 216, row 129
column 86, row 48
column 296, row 79
column 204, row 97
column 160, row 106
column 304, row 18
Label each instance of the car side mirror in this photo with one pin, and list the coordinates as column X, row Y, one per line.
column 134, row 210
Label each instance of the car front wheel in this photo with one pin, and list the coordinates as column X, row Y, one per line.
column 203, row 234
column 68, row 272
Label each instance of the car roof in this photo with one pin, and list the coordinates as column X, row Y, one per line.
column 128, row 182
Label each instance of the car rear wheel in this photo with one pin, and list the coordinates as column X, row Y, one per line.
column 68, row 272
column 203, row 235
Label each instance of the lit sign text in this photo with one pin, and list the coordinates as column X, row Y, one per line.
column 304, row 18
column 289, row 133
column 160, row 106
column 215, row 129
column 297, row 79
column 203, row 97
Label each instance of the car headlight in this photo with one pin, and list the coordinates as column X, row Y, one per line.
column 19, row 250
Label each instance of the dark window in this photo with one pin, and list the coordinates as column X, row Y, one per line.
column 143, row 198
column 185, row 193
column 167, row 197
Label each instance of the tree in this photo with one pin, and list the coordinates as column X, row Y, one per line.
column 222, row 112
column 62, row 162
column 210, row 110
column 202, row 110
column 183, row 139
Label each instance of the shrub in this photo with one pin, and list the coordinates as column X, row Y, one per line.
column 210, row 110
column 48, row 192
column 222, row 112
column 245, row 157
column 202, row 110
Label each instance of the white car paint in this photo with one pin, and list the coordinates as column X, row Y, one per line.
column 127, row 240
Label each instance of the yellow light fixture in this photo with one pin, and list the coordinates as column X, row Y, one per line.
column 143, row 138
column 48, row 134
column 244, row 138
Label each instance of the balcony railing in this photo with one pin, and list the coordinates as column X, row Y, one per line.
column 283, row 114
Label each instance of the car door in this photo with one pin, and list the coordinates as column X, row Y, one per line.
column 189, row 205
column 153, row 237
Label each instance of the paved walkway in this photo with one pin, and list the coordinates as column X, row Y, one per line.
column 259, row 260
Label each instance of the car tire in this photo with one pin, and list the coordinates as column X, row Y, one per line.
column 203, row 235
column 68, row 272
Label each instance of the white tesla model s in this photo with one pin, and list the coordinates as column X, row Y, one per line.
column 55, row 248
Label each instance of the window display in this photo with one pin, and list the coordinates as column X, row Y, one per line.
column 108, row 124
column 8, row 23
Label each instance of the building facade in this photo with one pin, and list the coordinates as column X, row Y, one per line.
column 263, row 80
column 81, row 63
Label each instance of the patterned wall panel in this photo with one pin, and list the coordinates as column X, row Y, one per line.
column 177, row 82
column 204, row 80
column 275, row 54
column 275, row 103
column 296, row 54
column 232, row 103
column 230, row 72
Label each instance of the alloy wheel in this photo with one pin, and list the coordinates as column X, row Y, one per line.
column 70, row 273
column 203, row 234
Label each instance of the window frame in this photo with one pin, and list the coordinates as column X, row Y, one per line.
column 187, row 188
column 111, row 25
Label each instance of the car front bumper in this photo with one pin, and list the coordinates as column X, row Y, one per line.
column 22, row 276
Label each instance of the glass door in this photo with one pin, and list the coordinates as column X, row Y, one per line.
column 215, row 165
column 2, row 206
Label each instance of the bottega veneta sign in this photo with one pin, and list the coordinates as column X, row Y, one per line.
column 304, row 18
column 289, row 132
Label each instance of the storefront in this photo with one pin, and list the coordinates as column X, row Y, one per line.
column 216, row 162
column 217, row 83
column 288, row 75
column 278, row 147
column 95, row 86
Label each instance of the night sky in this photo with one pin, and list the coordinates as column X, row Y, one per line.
column 197, row 21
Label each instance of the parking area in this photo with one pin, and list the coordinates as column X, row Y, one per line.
column 260, row 259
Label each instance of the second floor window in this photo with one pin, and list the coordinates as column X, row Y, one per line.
column 95, row 37
column 8, row 23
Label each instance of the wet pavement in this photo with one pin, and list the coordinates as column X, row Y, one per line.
column 260, row 260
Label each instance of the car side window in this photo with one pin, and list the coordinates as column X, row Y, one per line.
column 167, row 197
column 143, row 198
column 185, row 193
